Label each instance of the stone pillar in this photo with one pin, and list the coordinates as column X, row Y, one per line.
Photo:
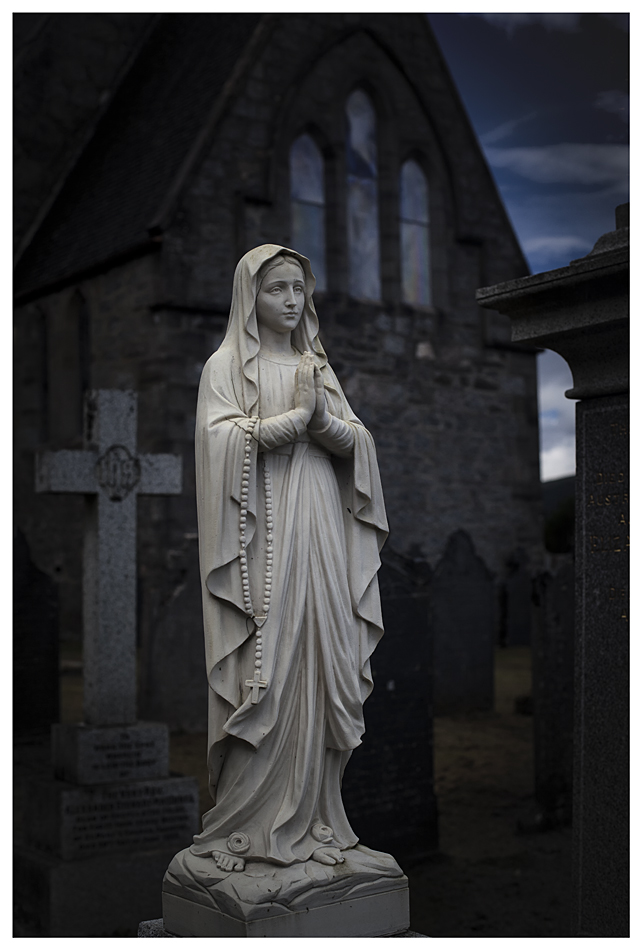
column 581, row 312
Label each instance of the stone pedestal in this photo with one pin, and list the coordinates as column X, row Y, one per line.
column 365, row 896
column 380, row 915
column 581, row 312
column 155, row 928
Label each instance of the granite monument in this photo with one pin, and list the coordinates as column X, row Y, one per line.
column 582, row 312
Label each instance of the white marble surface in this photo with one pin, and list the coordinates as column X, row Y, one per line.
column 155, row 928
column 291, row 521
column 378, row 915
column 264, row 889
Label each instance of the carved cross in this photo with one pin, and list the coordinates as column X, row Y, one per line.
column 256, row 684
column 110, row 473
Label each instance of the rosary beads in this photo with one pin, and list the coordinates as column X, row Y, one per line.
column 259, row 619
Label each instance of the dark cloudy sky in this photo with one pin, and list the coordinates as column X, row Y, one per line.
column 547, row 94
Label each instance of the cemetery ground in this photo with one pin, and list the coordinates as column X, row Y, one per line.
column 488, row 879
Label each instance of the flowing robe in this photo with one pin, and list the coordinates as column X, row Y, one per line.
column 276, row 766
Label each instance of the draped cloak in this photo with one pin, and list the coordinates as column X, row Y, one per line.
column 275, row 767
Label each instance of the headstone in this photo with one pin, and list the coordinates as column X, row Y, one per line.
column 517, row 601
column 553, row 657
column 582, row 312
column 388, row 785
column 110, row 802
column 463, row 628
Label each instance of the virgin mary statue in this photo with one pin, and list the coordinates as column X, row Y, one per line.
column 291, row 520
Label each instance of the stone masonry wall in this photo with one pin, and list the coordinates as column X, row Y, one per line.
column 451, row 404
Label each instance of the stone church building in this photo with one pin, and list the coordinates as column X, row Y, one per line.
column 154, row 150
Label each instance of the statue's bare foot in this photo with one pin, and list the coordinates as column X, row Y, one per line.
column 227, row 862
column 328, row 856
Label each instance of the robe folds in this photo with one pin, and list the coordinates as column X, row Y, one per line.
column 276, row 766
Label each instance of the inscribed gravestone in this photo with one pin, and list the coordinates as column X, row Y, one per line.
column 601, row 805
column 582, row 312
column 388, row 785
column 112, row 799
column 463, row 624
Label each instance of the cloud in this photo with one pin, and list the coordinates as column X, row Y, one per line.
column 558, row 461
column 541, row 213
column 506, row 129
column 554, row 377
column 576, row 163
column 562, row 244
column 556, row 417
column 614, row 101
column 567, row 22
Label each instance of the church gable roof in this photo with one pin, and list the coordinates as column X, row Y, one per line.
column 128, row 169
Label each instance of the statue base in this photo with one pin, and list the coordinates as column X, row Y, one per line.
column 366, row 896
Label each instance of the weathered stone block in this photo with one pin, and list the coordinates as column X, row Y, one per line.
column 74, row 821
column 96, row 755
column 100, row 896
column 377, row 915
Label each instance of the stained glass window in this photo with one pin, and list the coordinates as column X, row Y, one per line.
column 415, row 235
column 363, row 210
column 307, row 204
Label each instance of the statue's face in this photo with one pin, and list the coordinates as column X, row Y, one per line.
column 279, row 303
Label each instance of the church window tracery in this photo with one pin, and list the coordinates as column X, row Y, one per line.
column 415, row 235
column 363, row 206
column 307, row 204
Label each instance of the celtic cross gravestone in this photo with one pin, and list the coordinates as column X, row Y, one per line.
column 111, row 474
column 111, row 816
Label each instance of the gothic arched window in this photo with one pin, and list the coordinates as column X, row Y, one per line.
column 307, row 204
column 415, row 235
column 363, row 209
